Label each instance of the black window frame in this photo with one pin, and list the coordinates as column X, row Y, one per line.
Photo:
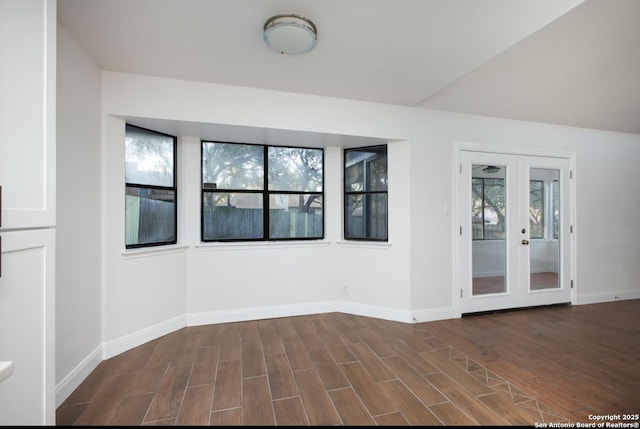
column 348, row 193
column 266, row 194
column 173, row 188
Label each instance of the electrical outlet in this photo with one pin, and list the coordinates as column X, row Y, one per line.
column 345, row 290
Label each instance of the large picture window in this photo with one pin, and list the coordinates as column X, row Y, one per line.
column 256, row 192
column 365, row 193
column 150, row 189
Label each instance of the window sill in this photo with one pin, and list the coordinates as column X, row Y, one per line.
column 261, row 245
column 364, row 244
column 153, row 251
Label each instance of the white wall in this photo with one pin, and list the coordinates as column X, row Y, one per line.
column 222, row 282
column 78, row 242
column 416, row 272
column 141, row 288
column 148, row 293
column 606, row 227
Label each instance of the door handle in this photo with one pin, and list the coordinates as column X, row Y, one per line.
column 525, row 242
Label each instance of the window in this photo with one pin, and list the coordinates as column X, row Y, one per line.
column 488, row 208
column 150, row 189
column 536, row 209
column 365, row 193
column 555, row 193
column 241, row 202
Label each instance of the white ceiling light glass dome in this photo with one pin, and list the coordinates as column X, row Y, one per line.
column 290, row 34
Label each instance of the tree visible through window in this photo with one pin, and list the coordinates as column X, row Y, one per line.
column 536, row 208
column 240, row 202
column 365, row 177
column 150, row 189
column 488, row 208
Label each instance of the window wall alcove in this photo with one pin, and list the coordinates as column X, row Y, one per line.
column 203, row 278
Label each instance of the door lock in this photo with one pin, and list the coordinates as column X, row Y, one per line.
column 525, row 242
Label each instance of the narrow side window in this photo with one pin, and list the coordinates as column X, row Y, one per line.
column 365, row 194
column 150, row 189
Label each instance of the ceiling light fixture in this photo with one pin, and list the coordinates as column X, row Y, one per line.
column 490, row 169
column 290, row 34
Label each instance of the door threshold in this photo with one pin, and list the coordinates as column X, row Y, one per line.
column 508, row 310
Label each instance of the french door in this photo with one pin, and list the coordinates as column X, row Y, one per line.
column 514, row 231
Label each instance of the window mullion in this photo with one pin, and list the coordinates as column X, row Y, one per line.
column 266, row 234
column 484, row 205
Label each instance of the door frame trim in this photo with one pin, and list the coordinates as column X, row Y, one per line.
column 460, row 147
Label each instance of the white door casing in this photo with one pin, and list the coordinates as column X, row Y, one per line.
column 517, row 291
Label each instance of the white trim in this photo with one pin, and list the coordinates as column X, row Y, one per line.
column 135, row 339
column 257, row 313
column 364, row 244
column 573, row 233
column 386, row 313
column 459, row 148
column 71, row 381
column 153, row 251
column 433, row 314
column 510, row 150
column 455, row 233
column 268, row 244
column 609, row 296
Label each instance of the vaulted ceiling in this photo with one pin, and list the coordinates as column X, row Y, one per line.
column 569, row 62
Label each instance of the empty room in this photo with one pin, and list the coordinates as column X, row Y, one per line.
column 354, row 212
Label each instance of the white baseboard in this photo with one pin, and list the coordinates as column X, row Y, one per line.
column 244, row 314
column 394, row 314
column 257, row 313
column 110, row 349
column 433, row 314
column 71, row 382
column 135, row 339
column 608, row 296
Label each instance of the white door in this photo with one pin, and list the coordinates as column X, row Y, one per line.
column 514, row 231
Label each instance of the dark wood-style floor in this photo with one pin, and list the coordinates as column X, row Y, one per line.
column 553, row 364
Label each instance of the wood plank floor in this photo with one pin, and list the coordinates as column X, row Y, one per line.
column 554, row 364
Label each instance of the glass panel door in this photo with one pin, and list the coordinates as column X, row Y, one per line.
column 488, row 228
column 545, row 252
column 487, row 202
column 514, row 246
column 544, row 227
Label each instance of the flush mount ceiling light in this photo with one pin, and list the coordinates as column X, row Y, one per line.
column 490, row 169
column 290, row 34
